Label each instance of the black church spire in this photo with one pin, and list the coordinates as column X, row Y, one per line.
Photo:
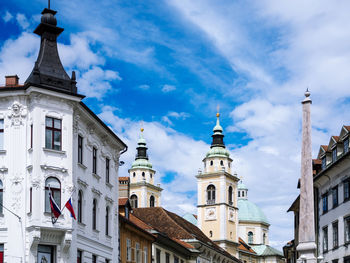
column 48, row 71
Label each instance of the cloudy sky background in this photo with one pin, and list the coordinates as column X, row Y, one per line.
column 170, row 63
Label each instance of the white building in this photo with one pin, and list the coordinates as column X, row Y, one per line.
column 332, row 181
column 49, row 138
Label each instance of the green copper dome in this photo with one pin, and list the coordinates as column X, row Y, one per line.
column 248, row 211
column 141, row 163
column 241, row 186
column 218, row 152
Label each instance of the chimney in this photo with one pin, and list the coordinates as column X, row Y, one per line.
column 11, row 81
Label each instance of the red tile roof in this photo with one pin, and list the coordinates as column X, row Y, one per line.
column 122, row 201
column 325, row 147
column 125, row 178
column 245, row 247
column 336, row 138
column 175, row 226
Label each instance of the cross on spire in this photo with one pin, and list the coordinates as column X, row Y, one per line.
column 48, row 4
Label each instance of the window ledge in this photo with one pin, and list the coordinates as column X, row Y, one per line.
column 82, row 165
column 2, row 151
column 30, row 150
column 96, row 231
column 81, row 224
column 108, row 237
column 54, row 151
column 96, row 176
column 109, row 185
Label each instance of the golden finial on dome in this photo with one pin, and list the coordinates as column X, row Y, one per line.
column 241, row 177
column 141, row 128
column 217, row 111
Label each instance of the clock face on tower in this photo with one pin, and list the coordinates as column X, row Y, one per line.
column 231, row 214
column 210, row 213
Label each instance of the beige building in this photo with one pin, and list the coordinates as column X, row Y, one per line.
column 143, row 191
column 217, row 202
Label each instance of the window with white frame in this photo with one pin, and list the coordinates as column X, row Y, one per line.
column 145, row 255
column 335, row 234
column 346, row 189
column 137, row 253
column 1, row 196
column 346, row 145
column 107, row 170
column 80, row 149
column 334, row 154
column 53, row 133
column 325, row 239
column 347, row 229
column 52, row 185
column 128, row 249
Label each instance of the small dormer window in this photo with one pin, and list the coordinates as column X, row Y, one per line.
column 346, row 145
column 324, row 164
column 334, row 154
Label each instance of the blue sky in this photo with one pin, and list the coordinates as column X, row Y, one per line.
column 170, row 63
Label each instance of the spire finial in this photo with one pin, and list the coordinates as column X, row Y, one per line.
column 48, row 4
column 218, row 111
column 141, row 128
column 241, row 178
column 307, row 96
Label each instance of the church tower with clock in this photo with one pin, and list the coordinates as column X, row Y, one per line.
column 217, row 195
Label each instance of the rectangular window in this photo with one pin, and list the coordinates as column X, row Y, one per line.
column 347, row 229
column 45, row 253
column 145, row 255
column 94, row 259
column 176, row 259
column 107, row 170
column 167, row 258
column 346, row 145
column 53, row 132
column 347, row 259
column 128, row 249
column 335, row 234
column 325, row 239
column 346, row 186
column 80, row 149
column 325, row 203
column 335, row 196
column 2, row 134
column 137, row 253
column 324, row 163
column 158, row 256
column 94, row 160
column 107, row 260
column 79, row 256
column 30, row 200
column 31, row 136
column 334, row 154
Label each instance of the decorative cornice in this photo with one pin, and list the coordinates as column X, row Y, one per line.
column 53, row 168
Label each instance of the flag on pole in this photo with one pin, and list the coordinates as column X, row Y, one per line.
column 55, row 210
column 70, row 208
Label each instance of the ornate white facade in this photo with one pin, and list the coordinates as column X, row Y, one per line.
column 32, row 162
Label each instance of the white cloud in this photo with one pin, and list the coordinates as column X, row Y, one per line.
column 175, row 115
column 168, row 88
column 22, row 21
column 144, row 87
column 7, row 17
column 95, row 82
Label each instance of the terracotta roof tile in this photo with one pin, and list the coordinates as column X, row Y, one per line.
column 175, row 226
column 245, row 247
column 122, row 201
column 125, row 178
column 336, row 138
column 139, row 222
column 347, row 127
column 325, row 147
column 195, row 216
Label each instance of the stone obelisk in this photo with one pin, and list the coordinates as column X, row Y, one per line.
column 307, row 245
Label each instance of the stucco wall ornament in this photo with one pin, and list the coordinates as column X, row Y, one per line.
column 17, row 113
column 16, row 189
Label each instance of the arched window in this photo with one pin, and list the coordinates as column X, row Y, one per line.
column 1, row 196
column 211, row 194
column 54, row 185
column 250, row 237
column 230, row 195
column 211, row 163
column 222, row 163
column 143, row 174
column 80, row 206
column 94, row 214
column 242, row 193
column 151, row 175
column 133, row 201
column 210, row 233
column 239, row 193
column 107, row 221
column 151, row 201
column 133, row 174
column 264, row 239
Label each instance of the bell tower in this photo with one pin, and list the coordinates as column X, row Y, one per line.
column 143, row 192
column 217, row 195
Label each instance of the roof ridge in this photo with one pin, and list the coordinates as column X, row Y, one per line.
column 166, row 211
